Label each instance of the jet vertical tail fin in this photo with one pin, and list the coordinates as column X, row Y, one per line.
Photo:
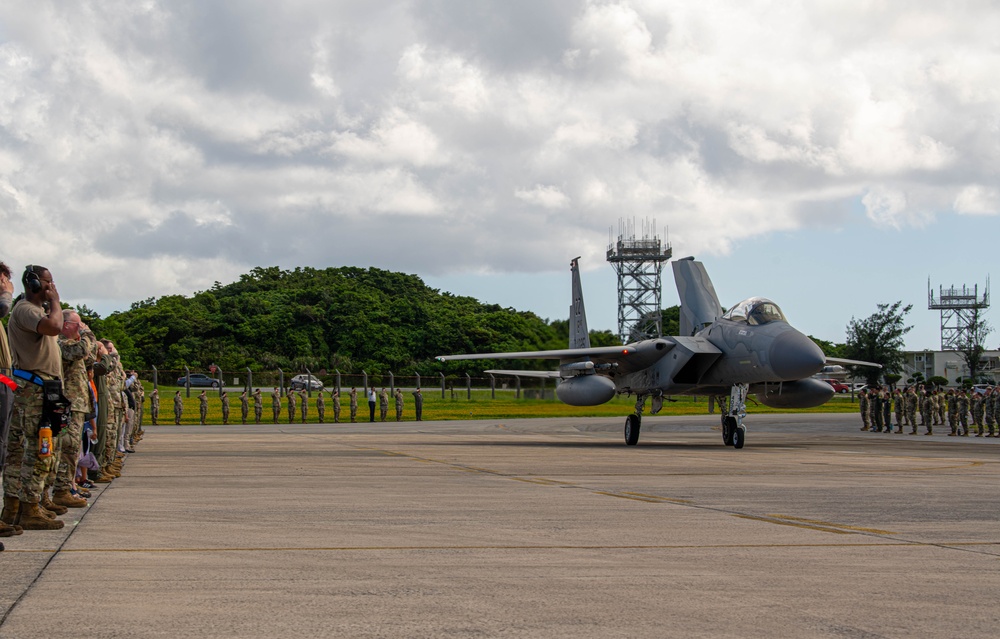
column 699, row 302
column 579, row 336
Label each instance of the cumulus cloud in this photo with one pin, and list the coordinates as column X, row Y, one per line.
column 438, row 136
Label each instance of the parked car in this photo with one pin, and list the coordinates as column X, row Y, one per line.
column 199, row 379
column 838, row 387
column 299, row 382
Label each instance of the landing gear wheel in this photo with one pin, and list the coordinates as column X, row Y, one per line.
column 632, row 424
column 739, row 437
column 728, row 429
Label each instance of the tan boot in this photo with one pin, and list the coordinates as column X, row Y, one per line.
column 10, row 506
column 31, row 518
column 9, row 530
column 102, row 478
column 47, row 504
column 68, row 499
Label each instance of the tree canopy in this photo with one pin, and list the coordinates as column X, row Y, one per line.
column 878, row 339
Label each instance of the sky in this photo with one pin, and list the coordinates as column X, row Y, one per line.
column 828, row 155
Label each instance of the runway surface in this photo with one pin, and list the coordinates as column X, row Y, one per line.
column 524, row 528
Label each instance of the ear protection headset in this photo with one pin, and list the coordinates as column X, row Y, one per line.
column 31, row 280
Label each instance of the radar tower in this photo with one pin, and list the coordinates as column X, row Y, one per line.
column 961, row 309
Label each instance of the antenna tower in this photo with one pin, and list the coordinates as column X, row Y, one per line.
column 960, row 312
column 639, row 263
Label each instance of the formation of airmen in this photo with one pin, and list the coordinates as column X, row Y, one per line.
column 295, row 400
column 962, row 409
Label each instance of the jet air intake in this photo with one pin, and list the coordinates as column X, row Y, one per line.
column 585, row 390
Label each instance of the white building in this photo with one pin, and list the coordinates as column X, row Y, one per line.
column 949, row 364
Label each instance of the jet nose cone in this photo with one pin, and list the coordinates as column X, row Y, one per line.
column 795, row 356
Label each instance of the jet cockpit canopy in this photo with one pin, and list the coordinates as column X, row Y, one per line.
column 755, row 311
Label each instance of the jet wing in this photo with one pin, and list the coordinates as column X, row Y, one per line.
column 598, row 352
column 850, row 362
column 545, row 374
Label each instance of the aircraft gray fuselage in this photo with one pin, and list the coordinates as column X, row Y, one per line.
column 725, row 353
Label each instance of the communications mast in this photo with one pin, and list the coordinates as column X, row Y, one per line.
column 639, row 264
column 961, row 311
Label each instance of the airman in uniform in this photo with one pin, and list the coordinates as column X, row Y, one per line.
column 354, row 404
column 154, row 405
column 335, row 400
column 244, row 406
column 942, row 403
column 291, row 406
column 276, row 404
column 399, row 405
column 225, row 408
column 203, row 406
column 383, row 404
column 898, row 405
column 418, row 404
column 876, row 408
column 321, row 407
column 963, row 412
column 863, row 406
column 952, row 401
column 304, row 404
column 912, row 402
column 978, row 412
column 258, row 406
column 178, row 407
column 926, row 414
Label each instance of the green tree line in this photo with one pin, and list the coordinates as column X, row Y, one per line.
column 345, row 318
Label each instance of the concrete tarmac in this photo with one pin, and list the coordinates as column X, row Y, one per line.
column 524, row 528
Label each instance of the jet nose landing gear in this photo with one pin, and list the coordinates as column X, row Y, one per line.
column 733, row 430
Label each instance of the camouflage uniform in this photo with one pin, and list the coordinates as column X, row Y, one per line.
column 863, row 406
column 321, row 407
column 244, row 407
column 952, row 400
column 304, row 404
column 942, row 404
column 399, row 405
column 988, row 411
column 383, row 404
column 276, row 404
column 178, row 407
column 154, row 405
column 898, row 402
column 887, row 412
column 911, row 407
column 977, row 413
column 116, row 416
column 876, row 408
column 925, row 414
column 203, row 407
column 963, row 412
column 225, row 407
column 335, row 400
column 258, row 406
column 354, row 405
column 291, row 406
column 77, row 355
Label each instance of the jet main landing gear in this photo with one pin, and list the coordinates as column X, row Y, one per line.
column 632, row 424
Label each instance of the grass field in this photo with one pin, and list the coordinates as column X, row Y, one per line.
column 480, row 406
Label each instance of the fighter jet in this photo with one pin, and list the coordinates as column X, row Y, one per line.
column 726, row 355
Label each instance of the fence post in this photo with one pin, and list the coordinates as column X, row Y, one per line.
column 493, row 386
column 281, row 383
column 442, row 385
column 187, row 380
column 338, row 380
column 249, row 384
column 222, row 382
column 518, row 382
column 156, row 378
column 392, row 384
column 309, row 386
column 418, row 380
column 468, row 386
column 365, row 373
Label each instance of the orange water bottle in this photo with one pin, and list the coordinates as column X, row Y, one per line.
column 44, row 441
